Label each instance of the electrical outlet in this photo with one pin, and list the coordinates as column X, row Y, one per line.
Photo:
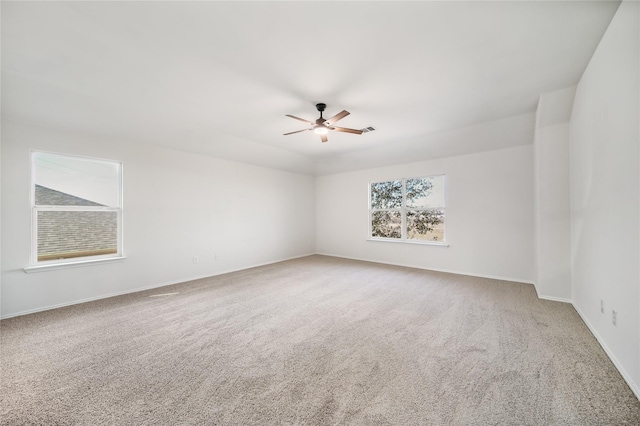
column 215, row 257
column 195, row 259
column 614, row 317
column 602, row 306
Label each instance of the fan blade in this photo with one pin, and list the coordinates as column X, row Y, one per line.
column 346, row 130
column 301, row 119
column 297, row 131
column 323, row 138
column 338, row 116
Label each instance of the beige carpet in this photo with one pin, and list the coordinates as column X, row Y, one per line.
column 316, row 340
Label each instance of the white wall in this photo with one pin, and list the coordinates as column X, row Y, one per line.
column 489, row 218
column 605, row 234
column 176, row 206
column 552, row 206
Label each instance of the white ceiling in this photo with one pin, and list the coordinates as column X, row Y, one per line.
column 217, row 78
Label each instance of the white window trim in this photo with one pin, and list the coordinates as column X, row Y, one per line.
column 403, row 214
column 48, row 265
column 397, row 240
column 86, row 261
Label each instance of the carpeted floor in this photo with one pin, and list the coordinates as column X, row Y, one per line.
column 316, row 340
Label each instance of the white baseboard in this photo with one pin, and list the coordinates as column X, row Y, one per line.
column 493, row 277
column 138, row 289
column 635, row 388
column 555, row 299
column 552, row 298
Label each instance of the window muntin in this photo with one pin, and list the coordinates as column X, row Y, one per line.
column 408, row 209
column 77, row 208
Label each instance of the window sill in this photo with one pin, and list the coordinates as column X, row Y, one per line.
column 66, row 265
column 422, row 243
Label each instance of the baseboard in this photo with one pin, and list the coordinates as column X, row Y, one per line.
column 151, row 287
column 555, row 299
column 635, row 388
column 552, row 298
column 493, row 277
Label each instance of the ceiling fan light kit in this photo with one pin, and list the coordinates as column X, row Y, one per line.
column 322, row 126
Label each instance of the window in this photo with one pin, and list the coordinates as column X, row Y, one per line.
column 408, row 210
column 76, row 209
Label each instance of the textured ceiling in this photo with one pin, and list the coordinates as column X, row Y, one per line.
column 217, row 78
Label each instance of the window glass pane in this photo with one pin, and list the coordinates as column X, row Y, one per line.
column 386, row 195
column 386, row 224
column 50, row 197
column 425, row 192
column 69, row 234
column 426, row 225
column 63, row 180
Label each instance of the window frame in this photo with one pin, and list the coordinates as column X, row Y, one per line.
column 403, row 209
column 36, row 265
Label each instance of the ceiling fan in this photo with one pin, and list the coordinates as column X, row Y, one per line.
column 322, row 126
